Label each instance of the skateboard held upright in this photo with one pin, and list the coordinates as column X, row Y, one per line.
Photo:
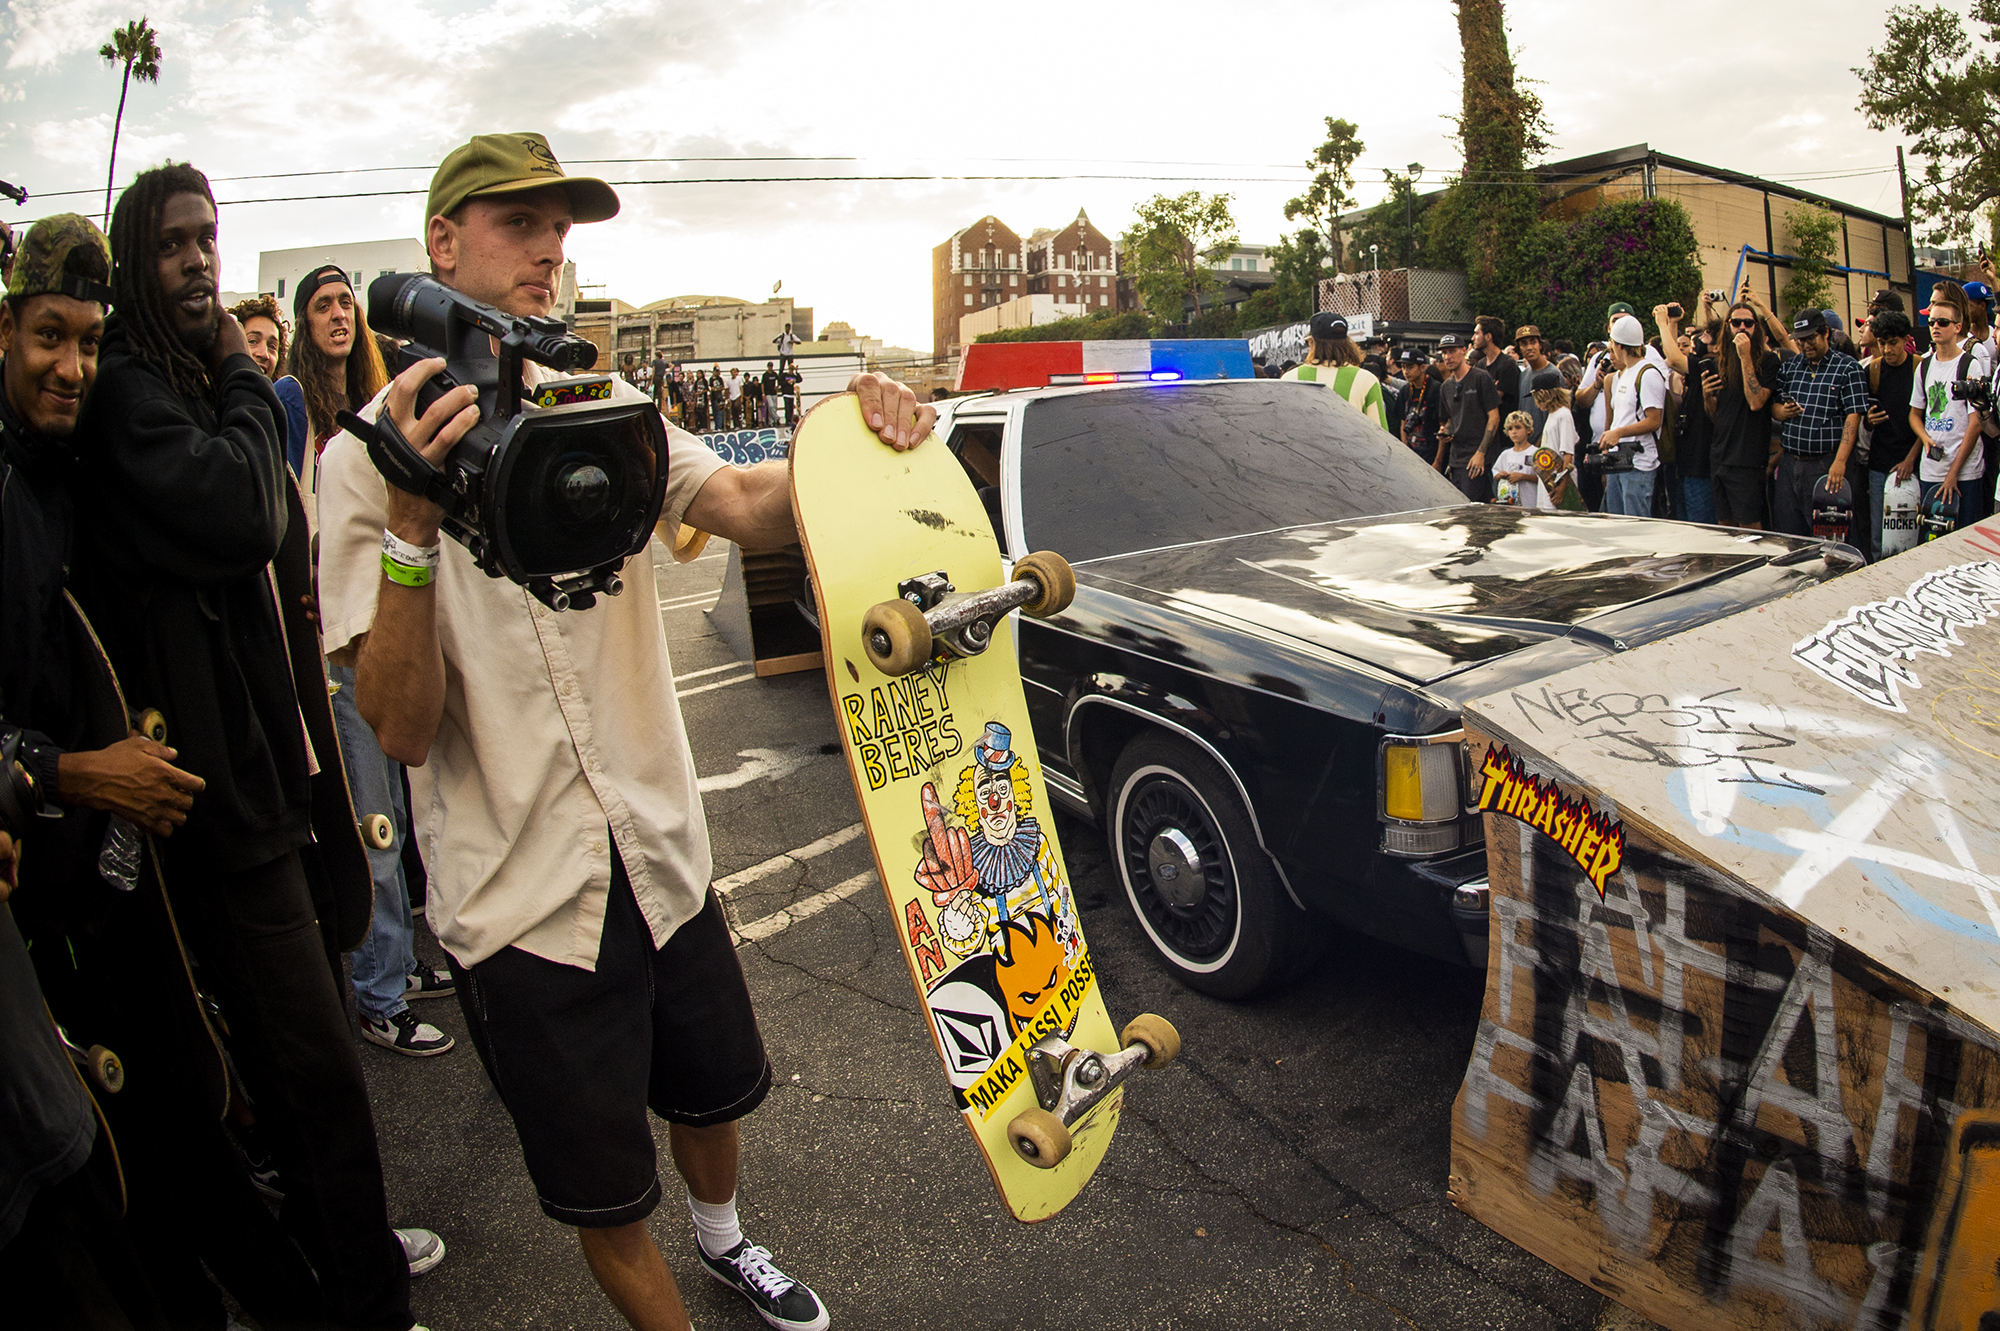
column 914, row 616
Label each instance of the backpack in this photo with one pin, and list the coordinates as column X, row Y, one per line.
column 1664, row 437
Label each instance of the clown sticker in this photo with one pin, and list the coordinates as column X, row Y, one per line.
column 1003, row 904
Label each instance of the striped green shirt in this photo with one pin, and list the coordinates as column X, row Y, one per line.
column 1362, row 390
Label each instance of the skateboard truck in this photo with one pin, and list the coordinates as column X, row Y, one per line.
column 932, row 620
column 96, row 1063
column 1070, row 1082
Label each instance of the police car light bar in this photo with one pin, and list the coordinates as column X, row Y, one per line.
column 990, row 366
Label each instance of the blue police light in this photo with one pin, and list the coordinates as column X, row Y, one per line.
column 1163, row 376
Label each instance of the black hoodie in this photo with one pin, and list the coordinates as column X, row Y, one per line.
column 181, row 508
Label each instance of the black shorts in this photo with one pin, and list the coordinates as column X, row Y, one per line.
column 1739, row 495
column 579, row 1056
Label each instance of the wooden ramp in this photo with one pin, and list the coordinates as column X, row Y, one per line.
column 1738, row 1063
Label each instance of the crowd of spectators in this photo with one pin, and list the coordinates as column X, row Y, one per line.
column 1730, row 417
column 711, row 400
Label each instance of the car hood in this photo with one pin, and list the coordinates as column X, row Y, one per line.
column 1428, row 594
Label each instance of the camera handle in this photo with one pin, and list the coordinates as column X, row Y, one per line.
column 398, row 460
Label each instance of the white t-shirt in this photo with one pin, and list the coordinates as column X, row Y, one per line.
column 1522, row 494
column 1945, row 417
column 1599, row 423
column 1633, row 393
column 1559, row 433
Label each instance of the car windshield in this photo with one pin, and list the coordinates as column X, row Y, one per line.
column 1110, row 472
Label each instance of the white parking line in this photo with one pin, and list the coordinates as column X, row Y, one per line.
column 719, row 684
column 758, row 930
column 712, row 670
column 691, row 602
column 811, row 850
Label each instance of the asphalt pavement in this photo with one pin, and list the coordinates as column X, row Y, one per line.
column 1287, row 1171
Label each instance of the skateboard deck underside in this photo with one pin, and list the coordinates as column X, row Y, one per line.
column 997, row 967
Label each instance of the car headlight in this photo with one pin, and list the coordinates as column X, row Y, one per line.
column 1419, row 793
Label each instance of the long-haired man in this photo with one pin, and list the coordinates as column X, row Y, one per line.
column 1738, row 401
column 334, row 356
column 192, row 562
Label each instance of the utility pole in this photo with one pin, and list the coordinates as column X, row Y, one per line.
column 1909, row 231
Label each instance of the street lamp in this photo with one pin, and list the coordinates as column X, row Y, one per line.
column 1409, row 212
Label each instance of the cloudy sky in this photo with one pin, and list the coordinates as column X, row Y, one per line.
column 1117, row 101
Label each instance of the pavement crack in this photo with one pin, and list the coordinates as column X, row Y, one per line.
column 1244, row 1199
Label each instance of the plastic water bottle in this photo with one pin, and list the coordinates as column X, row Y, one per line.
column 118, row 861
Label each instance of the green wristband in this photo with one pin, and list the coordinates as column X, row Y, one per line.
column 407, row 575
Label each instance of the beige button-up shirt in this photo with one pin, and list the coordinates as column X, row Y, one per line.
column 555, row 726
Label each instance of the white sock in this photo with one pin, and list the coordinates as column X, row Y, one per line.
column 715, row 1225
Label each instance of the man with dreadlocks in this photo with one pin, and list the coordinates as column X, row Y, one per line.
column 193, row 564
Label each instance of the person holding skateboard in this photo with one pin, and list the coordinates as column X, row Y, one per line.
column 568, row 857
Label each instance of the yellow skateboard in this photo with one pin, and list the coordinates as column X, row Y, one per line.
column 913, row 618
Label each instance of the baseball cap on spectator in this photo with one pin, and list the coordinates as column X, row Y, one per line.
column 1832, row 318
column 63, row 255
column 1618, row 308
column 1626, row 331
column 1980, row 292
column 1527, row 330
column 1546, row 379
column 1411, row 356
column 1450, row 340
column 494, row 164
column 1886, row 300
column 1809, row 321
column 1325, row 324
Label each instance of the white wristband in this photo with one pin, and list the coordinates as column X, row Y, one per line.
column 413, row 556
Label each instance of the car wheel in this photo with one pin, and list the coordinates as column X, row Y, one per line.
column 1207, row 897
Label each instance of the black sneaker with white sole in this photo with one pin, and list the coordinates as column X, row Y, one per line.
column 405, row 1034
column 427, row 982
column 778, row 1299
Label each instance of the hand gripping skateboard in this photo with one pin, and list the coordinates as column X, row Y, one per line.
column 1832, row 509
column 914, row 621
column 1555, row 473
column 1938, row 516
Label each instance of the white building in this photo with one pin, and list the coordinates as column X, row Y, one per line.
column 279, row 271
column 1021, row 312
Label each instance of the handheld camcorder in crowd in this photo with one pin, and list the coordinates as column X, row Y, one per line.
column 560, row 482
column 1620, row 457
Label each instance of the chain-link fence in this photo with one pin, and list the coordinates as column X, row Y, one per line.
column 1399, row 295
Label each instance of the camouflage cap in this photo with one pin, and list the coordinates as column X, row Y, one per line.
column 41, row 266
column 493, row 164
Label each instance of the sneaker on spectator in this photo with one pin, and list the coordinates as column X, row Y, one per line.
column 422, row 1248
column 425, row 982
column 405, row 1034
column 778, row 1299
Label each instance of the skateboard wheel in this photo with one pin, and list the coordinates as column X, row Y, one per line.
column 378, row 831
column 896, row 637
column 153, row 725
column 106, row 1072
column 1157, row 1034
column 1057, row 582
column 1039, row 1138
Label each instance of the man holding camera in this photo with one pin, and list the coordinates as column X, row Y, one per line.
column 1821, row 397
column 555, row 793
column 1638, row 398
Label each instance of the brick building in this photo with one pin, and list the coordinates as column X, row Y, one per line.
column 988, row 264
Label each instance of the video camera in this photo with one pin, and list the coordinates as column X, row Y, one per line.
column 560, row 482
column 1620, row 457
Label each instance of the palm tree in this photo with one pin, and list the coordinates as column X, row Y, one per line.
column 135, row 45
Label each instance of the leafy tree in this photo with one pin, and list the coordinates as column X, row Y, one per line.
column 1171, row 251
column 1815, row 233
column 1332, row 190
column 1217, row 321
column 1396, row 224
column 1642, row 253
column 135, row 46
column 1926, row 83
column 1485, row 213
column 1298, row 262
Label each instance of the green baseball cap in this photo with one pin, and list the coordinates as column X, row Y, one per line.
column 63, row 255
column 493, row 164
column 1620, row 308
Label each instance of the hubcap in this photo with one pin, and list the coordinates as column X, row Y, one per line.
column 1176, row 868
column 1175, row 860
